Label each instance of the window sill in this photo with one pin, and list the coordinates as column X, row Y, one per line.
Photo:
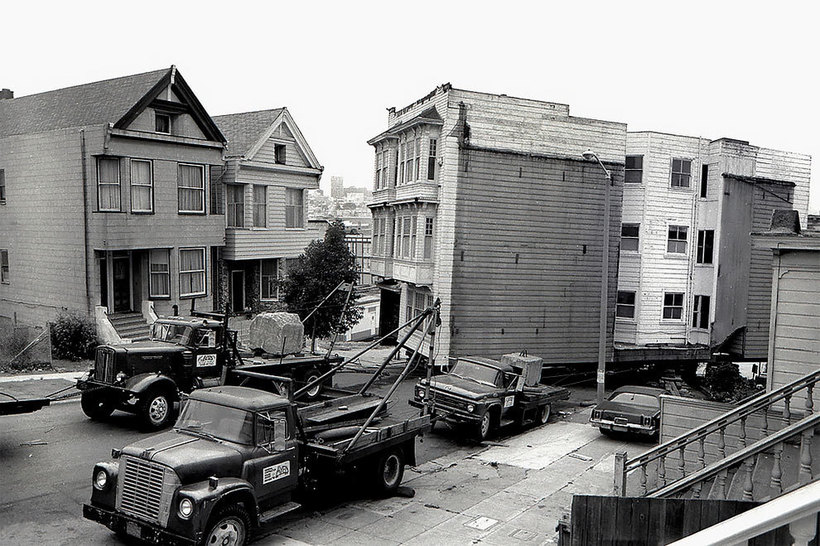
column 159, row 298
column 142, row 212
column 109, row 212
column 675, row 256
column 295, row 229
column 191, row 213
column 704, row 265
column 681, row 188
column 672, row 321
column 236, row 227
column 626, row 320
column 192, row 296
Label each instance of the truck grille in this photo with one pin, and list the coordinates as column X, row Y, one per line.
column 104, row 365
column 145, row 489
column 448, row 401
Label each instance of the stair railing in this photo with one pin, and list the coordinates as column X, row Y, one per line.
column 675, row 448
column 746, row 459
column 797, row 509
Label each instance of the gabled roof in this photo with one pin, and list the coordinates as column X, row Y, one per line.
column 247, row 132
column 117, row 101
column 243, row 130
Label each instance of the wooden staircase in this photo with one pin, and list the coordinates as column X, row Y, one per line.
column 774, row 455
column 132, row 326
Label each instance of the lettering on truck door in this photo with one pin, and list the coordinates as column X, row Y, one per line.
column 273, row 469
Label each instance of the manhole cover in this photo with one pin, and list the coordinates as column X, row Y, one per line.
column 482, row 524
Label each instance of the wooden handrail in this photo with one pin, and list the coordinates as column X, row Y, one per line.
column 784, row 510
column 737, row 457
column 761, row 402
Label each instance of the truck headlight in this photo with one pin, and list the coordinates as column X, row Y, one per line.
column 121, row 377
column 421, row 394
column 100, row 480
column 186, row 508
column 471, row 408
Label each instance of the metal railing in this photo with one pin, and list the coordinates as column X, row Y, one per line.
column 675, row 449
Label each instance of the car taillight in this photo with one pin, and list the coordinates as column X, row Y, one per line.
column 646, row 421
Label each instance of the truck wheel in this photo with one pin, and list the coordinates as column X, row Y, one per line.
column 157, row 409
column 316, row 390
column 389, row 471
column 96, row 405
column 484, row 426
column 544, row 414
column 229, row 527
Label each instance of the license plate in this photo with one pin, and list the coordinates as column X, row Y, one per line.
column 133, row 529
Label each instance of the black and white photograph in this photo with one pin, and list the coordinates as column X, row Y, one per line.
column 425, row 273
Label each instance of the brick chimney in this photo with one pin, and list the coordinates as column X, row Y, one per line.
column 6, row 94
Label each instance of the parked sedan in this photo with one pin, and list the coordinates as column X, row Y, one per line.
column 632, row 409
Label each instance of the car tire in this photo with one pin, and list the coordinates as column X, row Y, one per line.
column 389, row 471
column 484, row 427
column 97, row 405
column 157, row 409
column 229, row 526
column 316, row 391
column 544, row 414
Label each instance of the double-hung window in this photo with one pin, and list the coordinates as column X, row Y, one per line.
column 260, row 206
column 700, row 313
column 159, row 280
column 2, row 187
column 192, row 272
column 406, row 238
column 431, row 159
column 625, row 307
column 4, row 266
column 428, row 238
column 108, row 184
column 294, row 208
column 268, row 279
column 681, row 173
column 676, row 243
column 633, row 170
column 630, row 237
column 706, row 243
column 704, row 180
column 236, row 205
column 673, row 305
column 191, row 188
column 142, row 186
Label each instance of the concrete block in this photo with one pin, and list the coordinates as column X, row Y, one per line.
column 276, row 333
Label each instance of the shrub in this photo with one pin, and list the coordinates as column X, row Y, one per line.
column 725, row 383
column 73, row 336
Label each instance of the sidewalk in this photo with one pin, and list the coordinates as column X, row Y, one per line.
column 514, row 492
column 38, row 385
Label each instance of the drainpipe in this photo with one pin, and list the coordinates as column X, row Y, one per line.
column 89, row 305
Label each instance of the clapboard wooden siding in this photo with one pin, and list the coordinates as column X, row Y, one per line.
column 496, row 200
column 736, row 281
column 795, row 336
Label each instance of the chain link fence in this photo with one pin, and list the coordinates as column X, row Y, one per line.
column 24, row 347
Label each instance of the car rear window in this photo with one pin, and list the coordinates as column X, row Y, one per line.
column 636, row 399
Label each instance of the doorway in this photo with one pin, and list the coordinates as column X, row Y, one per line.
column 237, row 291
column 389, row 313
column 121, row 283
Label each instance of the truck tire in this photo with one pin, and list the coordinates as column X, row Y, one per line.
column 484, row 427
column 97, row 405
column 389, row 471
column 314, row 392
column 544, row 414
column 156, row 409
column 229, row 527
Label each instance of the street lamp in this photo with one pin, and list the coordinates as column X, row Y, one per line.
column 590, row 155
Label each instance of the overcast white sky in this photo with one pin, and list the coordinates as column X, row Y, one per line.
column 711, row 69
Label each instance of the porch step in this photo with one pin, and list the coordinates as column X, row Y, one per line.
column 131, row 326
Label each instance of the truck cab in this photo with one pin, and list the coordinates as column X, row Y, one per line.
column 485, row 394
column 146, row 377
column 231, row 457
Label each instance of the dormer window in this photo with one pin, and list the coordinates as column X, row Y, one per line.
column 162, row 123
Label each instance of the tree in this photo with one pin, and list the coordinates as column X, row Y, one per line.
column 316, row 273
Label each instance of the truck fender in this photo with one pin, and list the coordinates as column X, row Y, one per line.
column 208, row 499
column 140, row 384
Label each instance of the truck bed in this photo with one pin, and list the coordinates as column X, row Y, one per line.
column 268, row 363
column 375, row 438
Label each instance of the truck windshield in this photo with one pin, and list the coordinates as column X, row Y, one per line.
column 476, row 372
column 172, row 333
column 215, row 421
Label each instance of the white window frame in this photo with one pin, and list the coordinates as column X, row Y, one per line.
column 682, row 176
column 118, row 185
column 678, row 230
column 619, row 305
column 698, row 313
column 260, row 210
column 301, row 209
column 5, row 272
column 262, row 276
column 432, row 153
column 203, row 271
column 700, row 251
column 429, row 231
column 149, row 185
column 672, row 307
column 151, row 272
column 181, row 188
column 636, row 238
column 158, row 115
column 235, row 209
column 633, row 169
